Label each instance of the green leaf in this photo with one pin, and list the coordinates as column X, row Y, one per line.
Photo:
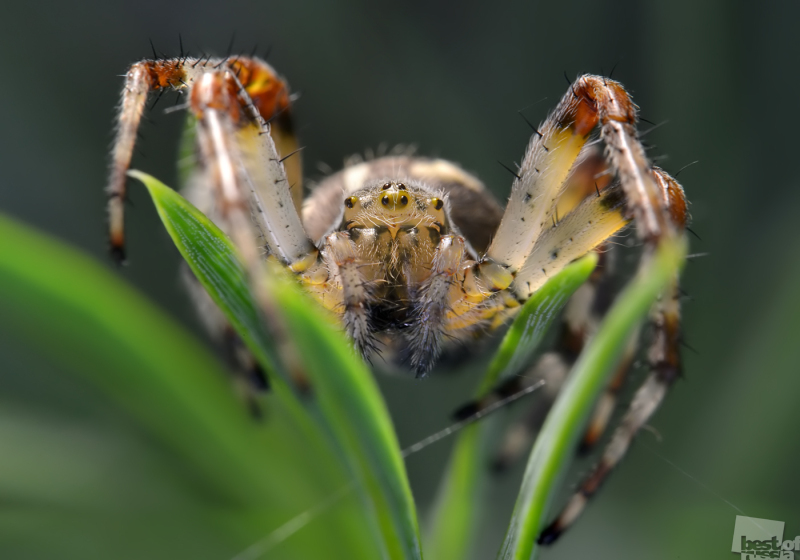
column 458, row 503
column 177, row 457
column 555, row 444
column 345, row 400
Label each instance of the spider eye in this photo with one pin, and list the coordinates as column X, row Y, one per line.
column 385, row 201
column 404, row 200
column 350, row 202
column 386, row 186
column 437, row 203
column 401, row 186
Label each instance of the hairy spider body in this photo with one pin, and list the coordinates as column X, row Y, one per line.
column 415, row 225
column 414, row 253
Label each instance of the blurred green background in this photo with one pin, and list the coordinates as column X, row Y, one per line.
column 450, row 78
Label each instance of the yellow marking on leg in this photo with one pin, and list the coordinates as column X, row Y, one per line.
column 546, row 165
column 589, row 225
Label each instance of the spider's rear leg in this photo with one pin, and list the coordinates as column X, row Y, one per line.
column 604, row 409
column 553, row 369
column 664, row 367
column 664, row 363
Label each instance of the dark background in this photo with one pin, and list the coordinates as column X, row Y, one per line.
column 450, row 78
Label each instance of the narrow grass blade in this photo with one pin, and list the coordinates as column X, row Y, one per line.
column 555, row 445
column 344, row 397
column 458, row 504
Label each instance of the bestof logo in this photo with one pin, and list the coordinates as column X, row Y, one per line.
column 762, row 538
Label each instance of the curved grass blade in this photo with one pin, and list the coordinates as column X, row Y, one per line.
column 555, row 444
column 82, row 318
column 345, row 400
column 213, row 260
column 156, row 370
column 458, row 503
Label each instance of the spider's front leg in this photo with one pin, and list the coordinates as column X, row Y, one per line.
column 142, row 78
column 532, row 241
column 266, row 92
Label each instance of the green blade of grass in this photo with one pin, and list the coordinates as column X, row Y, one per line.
column 345, row 399
column 458, row 503
column 351, row 403
column 555, row 444
column 81, row 317
column 140, row 357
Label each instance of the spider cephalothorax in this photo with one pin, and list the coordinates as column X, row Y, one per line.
column 412, row 250
column 414, row 253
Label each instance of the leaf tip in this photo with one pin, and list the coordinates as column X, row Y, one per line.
column 146, row 179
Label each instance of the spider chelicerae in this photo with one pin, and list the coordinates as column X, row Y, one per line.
column 413, row 254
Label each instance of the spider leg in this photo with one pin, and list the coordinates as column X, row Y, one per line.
column 549, row 157
column 268, row 93
column 587, row 226
column 142, row 78
column 217, row 110
column 531, row 242
column 250, row 90
column 239, row 162
column 664, row 362
column 240, row 156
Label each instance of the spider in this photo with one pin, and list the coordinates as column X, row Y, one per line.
column 413, row 254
